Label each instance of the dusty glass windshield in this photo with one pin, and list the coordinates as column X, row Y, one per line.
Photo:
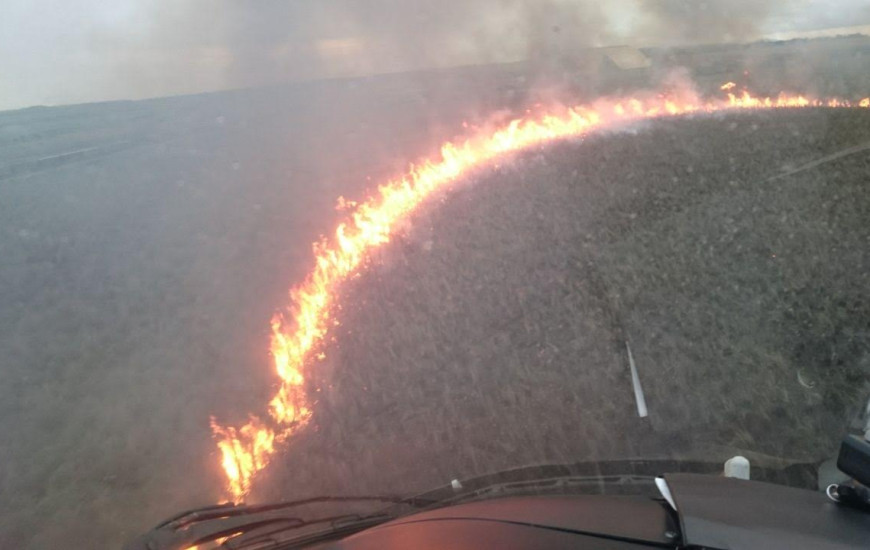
column 645, row 238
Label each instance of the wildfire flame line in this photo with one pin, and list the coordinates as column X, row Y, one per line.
column 294, row 342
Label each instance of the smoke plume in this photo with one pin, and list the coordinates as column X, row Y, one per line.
column 134, row 49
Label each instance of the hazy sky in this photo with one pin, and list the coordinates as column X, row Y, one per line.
column 69, row 51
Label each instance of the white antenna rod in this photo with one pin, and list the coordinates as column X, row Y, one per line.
column 635, row 382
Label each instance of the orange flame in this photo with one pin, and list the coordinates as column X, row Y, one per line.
column 213, row 544
column 294, row 344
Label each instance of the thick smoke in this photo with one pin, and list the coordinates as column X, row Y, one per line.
column 269, row 41
column 700, row 21
column 135, row 49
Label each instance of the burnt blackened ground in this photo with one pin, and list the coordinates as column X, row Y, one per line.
column 491, row 333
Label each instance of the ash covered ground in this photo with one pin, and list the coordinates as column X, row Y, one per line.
column 146, row 244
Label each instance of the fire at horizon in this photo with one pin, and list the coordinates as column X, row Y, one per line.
column 296, row 340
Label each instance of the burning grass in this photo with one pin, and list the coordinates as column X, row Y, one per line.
column 298, row 339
